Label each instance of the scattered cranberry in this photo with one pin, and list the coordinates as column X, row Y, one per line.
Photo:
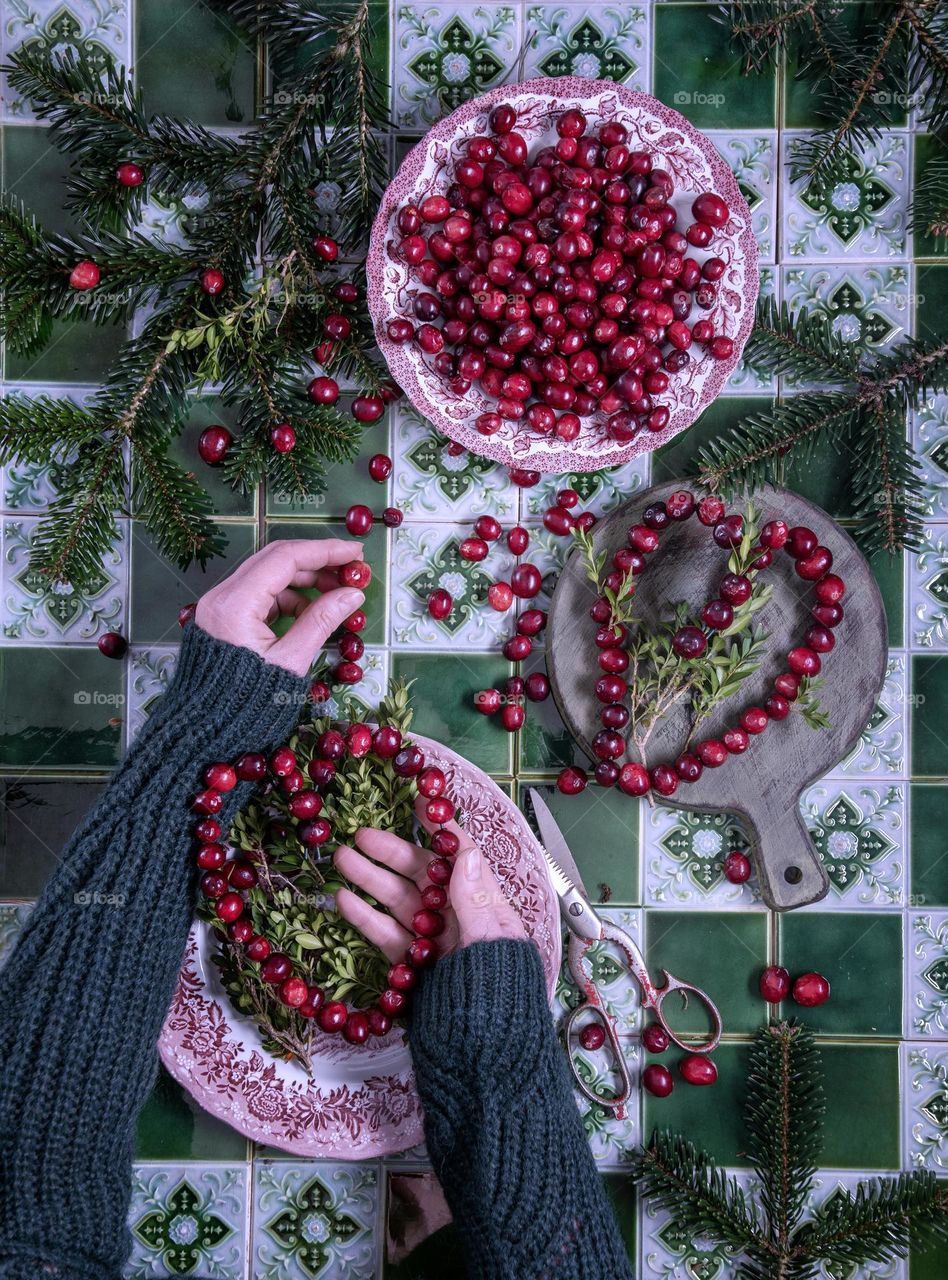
column 380, row 467
column 657, row 1080
column 130, row 174
column 212, row 281
column 392, row 517
column 512, row 717
column 592, row 1037
column 283, row 437
column 214, row 444
column 84, row 275
column 810, row 990
column 440, row 604
column 655, row 1038
column 323, row 390
column 488, row 701
column 737, row 867
column 500, row 596
column 774, row 984
column 698, row 1069
column 112, row 645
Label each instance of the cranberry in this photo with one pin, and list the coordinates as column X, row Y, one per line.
column 717, row 614
column 558, row 520
column 531, row 622
column 257, row 949
column 737, row 867
column 305, row 804
column 655, row 1038
column 592, row 1037
column 214, row 444
column 392, row 1002
column 537, row 687
column 787, row 685
column 754, row 720
column 736, row 740
column 440, row 604
column 804, row 662
column 815, row 565
column 518, row 540
column 333, row 1017
column 689, row 642
column 445, row 843
column 830, row 589
column 712, row 753
column 681, row 504
column 729, row 531
column 392, row 517
column 525, row 581
column 710, row 511
column 777, row 708
column 312, row 834
column 657, row 1080
column 664, row 779
column 358, row 520
column 735, row 588
column 251, row 767
column 801, row 542
column 634, row 779
column 697, row 1068
column 276, row 968
column 512, row 717
column 688, row 767
column 774, row 984
column 487, row 702
column 422, row 951
column 380, row 467
column 113, row 645
column 810, row 990
column 829, row 615
column 409, row 762
column 427, row 923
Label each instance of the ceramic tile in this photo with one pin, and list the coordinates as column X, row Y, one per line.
column 930, row 438
column 98, row 29
column 862, row 1126
column 929, row 844
column 188, row 1219
column 599, row 491
column 314, row 1220
column 13, row 917
column 617, row 987
column 613, row 1141
column 669, row 1253
column 33, row 610
column 683, row 855
column 749, row 378
column 925, row 1114
column 928, row 151
column 753, row 157
column 445, row 54
column 865, row 304
column 714, row 1128
column 434, row 479
column 929, row 712
column 601, row 828
column 37, row 817
column 881, row 748
column 607, row 42
column 859, row 832
column 926, row 954
column 150, row 671
column 862, row 216
column 425, row 557
column 928, row 585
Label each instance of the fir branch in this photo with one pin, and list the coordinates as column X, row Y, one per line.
column 878, row 1222
column 801, row 344
column 929, row 212
column 765, row 31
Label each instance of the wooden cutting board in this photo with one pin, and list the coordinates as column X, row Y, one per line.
column 762, row 786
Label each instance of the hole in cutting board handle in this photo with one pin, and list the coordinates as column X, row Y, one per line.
column 793, row 875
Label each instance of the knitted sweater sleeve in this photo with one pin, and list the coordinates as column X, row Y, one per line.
column 85, row 992
column 502, row 1126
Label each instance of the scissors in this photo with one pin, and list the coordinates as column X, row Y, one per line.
column 586, row 927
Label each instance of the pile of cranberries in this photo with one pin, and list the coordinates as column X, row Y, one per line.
column 812, row 563
column 225, row 881
column 561, row 283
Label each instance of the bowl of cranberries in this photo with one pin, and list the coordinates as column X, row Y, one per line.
column 562, row 275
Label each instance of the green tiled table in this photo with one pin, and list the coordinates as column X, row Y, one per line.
column 879, row 819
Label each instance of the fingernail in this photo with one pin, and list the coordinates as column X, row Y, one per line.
column 350, row 599
column 472, row 865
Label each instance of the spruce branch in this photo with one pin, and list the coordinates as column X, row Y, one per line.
column 765, row 31
column 929, row 212
column 877, row 1222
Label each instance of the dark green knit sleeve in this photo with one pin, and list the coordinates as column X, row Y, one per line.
column 501, row 1122
column 85, row 992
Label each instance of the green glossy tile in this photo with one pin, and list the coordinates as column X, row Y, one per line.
column 346, row 484
column 36, row 820
column 889, row 573
column 861, row 1125
column 928, row 805
column 927, row 149
column 678, row 458
column 930, row 717
column 77, row 353
column 601, row 828
column 443, row 698
column 375, row 551
column 60, row 708
column 206, row 411
column 545, row 742
column 801, row 104
column 710, row 1118
column 845, row 947
column 931, row 309
column 722, row 952
column 159, row 589
column 929, row 1264
column 697, row 72
column 622, row 1196
column 192, row 61
column 172, row 1126
column 34, row 171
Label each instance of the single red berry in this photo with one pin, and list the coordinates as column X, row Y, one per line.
column 500, row 596
column 711, row 510
column 358, row 1028
column 657, row 1080
column 402, row 976
column 525, row 581
column 712, row 753
column 737, row 867
column 689, row 642
column 294, row 992
column 434, row 898
column 212, row 281
column 801, row 541
column 359, row 740
column 754, row 720
column 774, row 534
column 592, row 1037
column 777, row 708
column 240, row 930
column 207, row 830
column 251, row 767
column 257, row 949
column 445, row 844
column 392, row 1002
column 439, row 870
column 634, row 779
column 312, row 834
column 487, row 701
column 333, row 1017
column 518, row 540
column 409, row 762
column 208, row 802
column 325, row 247
column 359, row 520
column 439, row 809
column 283, row 437
column 804, row 662
column 774, row 984
column 380, row 467
column 488, row 528
column 130, row 174
column 698, row 1069
column 473, row 549
column 380, row 1024
column 531, row 622
column 681, row 504
column 214, row 444
column 421, row 951
column 323, row 390
column 537, row 687
column 655, row 1038
column 305, row 805
column 84, row 275
column 830, row 589
column 429, row 924
column 571, row 781
column 356, row 574
column 112, row 645
column 386, row 741
column 512, row 717
column 186, row 613
column 367, row 408
column 440, row 604
column 229, row 906
column 392, row 517
column 220, row 777
column 735, row 588
column 810, row 990
column 276, row 968
column 736, row 740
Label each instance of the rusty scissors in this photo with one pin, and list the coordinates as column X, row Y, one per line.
column 586, row 928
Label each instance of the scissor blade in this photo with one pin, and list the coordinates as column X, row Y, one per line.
column 558, row 851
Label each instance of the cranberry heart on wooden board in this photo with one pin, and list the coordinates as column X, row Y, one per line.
column 763, row 785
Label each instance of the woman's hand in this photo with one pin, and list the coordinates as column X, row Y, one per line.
column 267, row 585
column 394, row 872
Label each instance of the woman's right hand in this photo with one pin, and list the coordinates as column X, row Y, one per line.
column 394, row 872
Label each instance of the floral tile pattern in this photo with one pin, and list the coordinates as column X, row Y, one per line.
column 313, row 1224
column 150, row 673
column 445, row 54
column 599, row 491
column 601, row 42
column 930, row 437
column 868, row 306
column 435, row 479
column 881, row 747
column 612, row 1140
column 928, row 572
column 683, row 859
column 13, row 916
column 862, row 216
column 33, row 610
column 925, row 1113
column 753, row 158
column 670, row 1254
column 859, row 833
column 189, row 1220
column 927, row 951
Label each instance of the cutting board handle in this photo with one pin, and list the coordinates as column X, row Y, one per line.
column 788, row 866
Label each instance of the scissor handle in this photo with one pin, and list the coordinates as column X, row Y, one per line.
column 687, row 989
column 618, row 1100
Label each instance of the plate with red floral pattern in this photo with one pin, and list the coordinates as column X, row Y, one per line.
column 361, row 1100
column 695, row 167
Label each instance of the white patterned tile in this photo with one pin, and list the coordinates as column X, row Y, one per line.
column 13, row 916
column 668, row 1253
column 599, row 491
column 881, row 748
column 442, row 55
column 925, row 1106
column 150, row 672
column 928, row 590
column 434, row 479
column 32, row 609
column 620, row 991
column 315, row 1219
column 926, row 950
column 753, row 157
column 613, row 1140
column 748, row 378
column 188, row 1219
column 930, row 438
column 591, row 42
column 683, row 856
column 859, row 832
column 864, row 216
